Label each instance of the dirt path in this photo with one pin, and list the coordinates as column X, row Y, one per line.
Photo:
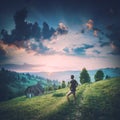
column 76, row 114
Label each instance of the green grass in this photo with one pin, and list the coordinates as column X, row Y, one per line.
column 96, row 101
column 37, row 108
column 101, row 100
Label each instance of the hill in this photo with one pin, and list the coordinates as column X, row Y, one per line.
column 14, row 84
column 95, row 101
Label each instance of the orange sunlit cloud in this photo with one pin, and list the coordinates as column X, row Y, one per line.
column 89, row 24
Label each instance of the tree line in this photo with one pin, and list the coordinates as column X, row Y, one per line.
column 13, row 84
column 85, row 77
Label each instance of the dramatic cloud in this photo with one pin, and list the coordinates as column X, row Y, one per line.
column 46, row 31
column 62, row 29
column 116, row 49
column 90, row 24
column 65, row 44
column 88, row 36
column 82, row 50
column 93, row 30
column 110, row 38
column 25, row 31
column 78, row 44
column 113, row 33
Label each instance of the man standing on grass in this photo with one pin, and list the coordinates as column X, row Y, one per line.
column 73, row 85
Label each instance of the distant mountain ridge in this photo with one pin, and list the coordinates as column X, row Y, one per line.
column 65, row 75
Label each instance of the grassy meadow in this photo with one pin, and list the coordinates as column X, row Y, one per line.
column 95, row 101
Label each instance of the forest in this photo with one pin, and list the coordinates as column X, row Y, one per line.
column 13, row 84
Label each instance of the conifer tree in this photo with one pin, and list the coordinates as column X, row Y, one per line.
column 99, row 75
column 84, row 76
column 63, row 84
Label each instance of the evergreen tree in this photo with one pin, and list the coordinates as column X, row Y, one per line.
column 99, row 75
column 59, row 87
column 63, row 84
column 84, row 76
column 68, row 85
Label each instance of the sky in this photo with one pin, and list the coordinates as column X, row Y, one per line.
column 59, row 35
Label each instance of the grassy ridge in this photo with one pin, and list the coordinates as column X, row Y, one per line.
column 101, row 100
column 37, row 108
column 96, row 101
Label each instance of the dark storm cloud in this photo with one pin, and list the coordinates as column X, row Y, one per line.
column 47, row 32
column 82, row 50
column 114, row 36
column 94, row 12
column 25, row 31
column 22, row 31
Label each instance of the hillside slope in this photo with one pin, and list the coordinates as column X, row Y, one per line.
column 96, row 101
column 14, row 84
